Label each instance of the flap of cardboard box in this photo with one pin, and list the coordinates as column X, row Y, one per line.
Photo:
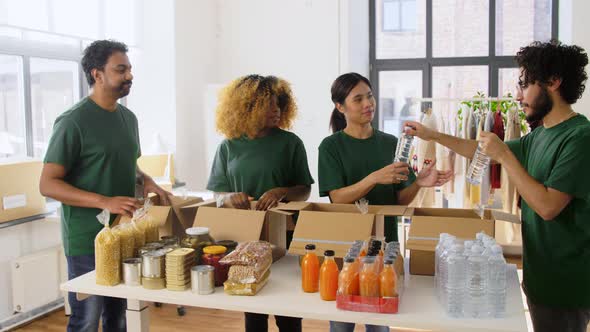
column 158, row 165
column 428, row 224
column 388, row 210
column 231, row 224
column 392, row 210
column 329, row 230
column 184, row 217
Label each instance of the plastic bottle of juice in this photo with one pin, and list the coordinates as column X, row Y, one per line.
column 348, row 280
column 388, row 280
column 328, row 277
column 310, row 270
column 368, row 278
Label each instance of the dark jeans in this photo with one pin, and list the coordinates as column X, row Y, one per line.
column 259, row 323
column 547, row 319
column 86, row 313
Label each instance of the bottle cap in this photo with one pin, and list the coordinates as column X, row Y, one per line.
column 310, row 247
column 329, row 253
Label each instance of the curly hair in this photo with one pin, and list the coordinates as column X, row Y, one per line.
column 542, row 62
column 97, row 54
column 244, row 103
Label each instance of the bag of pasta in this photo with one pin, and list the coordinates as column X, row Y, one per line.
column 127, row 237
column 145, row 221
column 107, row 252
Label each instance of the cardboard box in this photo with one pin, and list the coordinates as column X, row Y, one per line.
column 160, row 167
column 335, row 226
column 428, row 224
column 172, row 220
column 241, row 225
column 19, row 190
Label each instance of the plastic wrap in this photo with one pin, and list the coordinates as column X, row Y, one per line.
column 248, row 289
column 255, row 254
column 107, row 247
column 127, row 239
column 245, row 274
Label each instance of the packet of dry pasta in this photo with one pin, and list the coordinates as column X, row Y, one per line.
column 127, row 237
column 107, row 247
column 147, row 222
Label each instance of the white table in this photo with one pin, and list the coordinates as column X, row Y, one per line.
column 283, row 296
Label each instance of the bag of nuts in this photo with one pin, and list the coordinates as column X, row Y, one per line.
column 107, row 247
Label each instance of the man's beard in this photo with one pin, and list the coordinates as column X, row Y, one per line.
column 124, row 89
column 540, row 107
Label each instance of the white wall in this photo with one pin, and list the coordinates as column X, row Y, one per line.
column 307, row 42
column 152, row 96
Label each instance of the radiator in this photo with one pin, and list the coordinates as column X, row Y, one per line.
column 36, row 279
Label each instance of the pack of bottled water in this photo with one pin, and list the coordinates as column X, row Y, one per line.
column 470, row 277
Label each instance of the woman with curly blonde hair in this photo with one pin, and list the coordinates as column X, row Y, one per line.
column 259, row 159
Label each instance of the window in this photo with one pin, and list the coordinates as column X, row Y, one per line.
column 40, row 52
column 400, row 29
column 399, row 15
column 458, row 47
column 12, row 115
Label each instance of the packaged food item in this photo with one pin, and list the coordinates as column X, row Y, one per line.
column 249, row 289
column 211, row 256
column 244, row 274
column 368, row 278
column 203, row 279
column 197, row 238
column 107, row 248
column 145, row 221
column 310, row 270
column 348, row 280
column 388, row 280
column 126, row 236
column 178, row 267
column 249, row 253
column 139, row 235
column 328, row 277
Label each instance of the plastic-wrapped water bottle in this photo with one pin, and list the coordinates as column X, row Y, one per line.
column 497, row 283
column 477, row 266
column 467, row 248
column 442, row 266
column 437, row 252
column 478, row 165
column 455, row 287
column 404, row 147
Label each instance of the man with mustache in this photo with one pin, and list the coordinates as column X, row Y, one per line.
column 91, row 165
column 549, row 168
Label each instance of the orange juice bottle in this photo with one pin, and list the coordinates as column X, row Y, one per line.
column 328, row 277
column 388, row 280
column 348, row 280
column 310, row 270
column 368, row 278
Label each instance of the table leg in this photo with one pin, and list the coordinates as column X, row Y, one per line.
column 138, row 316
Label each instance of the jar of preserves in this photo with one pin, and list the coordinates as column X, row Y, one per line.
column 211, row 256
column 197, row 238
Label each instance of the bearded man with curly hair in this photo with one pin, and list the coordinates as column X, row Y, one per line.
column 259, row 159
column 549, row 168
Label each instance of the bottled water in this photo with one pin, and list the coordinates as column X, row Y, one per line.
column 455, row 286
column 437, row 252
column 478, row 165
column 448, row 244
column 476, row 284
column 404, row 147
column 497, row 283
column 468, row 244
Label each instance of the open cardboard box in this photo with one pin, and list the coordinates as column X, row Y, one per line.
column 335, row 226
column 172, row 220
column 428, row 223
column 19, row 189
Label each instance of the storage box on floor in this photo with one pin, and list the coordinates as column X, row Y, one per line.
column 428, row 223
column 172, row 219
column 19, row 192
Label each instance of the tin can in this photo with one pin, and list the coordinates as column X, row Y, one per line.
column 132, row 271
column 203, row 279
column 152, row 264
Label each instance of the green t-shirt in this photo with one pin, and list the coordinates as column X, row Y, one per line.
column 557, row 253
column 345, row 160
column 99, row 150
column 254, row 166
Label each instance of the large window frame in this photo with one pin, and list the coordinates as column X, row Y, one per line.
column 426, row 64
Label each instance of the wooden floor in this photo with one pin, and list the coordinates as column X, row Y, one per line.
column 166, row 319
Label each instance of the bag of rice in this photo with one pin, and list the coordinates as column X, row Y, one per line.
column 107, row 252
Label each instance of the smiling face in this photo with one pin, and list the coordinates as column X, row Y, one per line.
column 116, row 78
column 359, row 105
